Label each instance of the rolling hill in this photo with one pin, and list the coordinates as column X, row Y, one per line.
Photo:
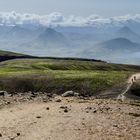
column 7, row 55
column 60, row 75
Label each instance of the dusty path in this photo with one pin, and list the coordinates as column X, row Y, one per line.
column 130, row 82
column 70, row 119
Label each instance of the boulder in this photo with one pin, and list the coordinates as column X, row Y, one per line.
column 70, row 93
column 3, row 93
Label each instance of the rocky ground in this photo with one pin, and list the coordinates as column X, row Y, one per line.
column 32, row 117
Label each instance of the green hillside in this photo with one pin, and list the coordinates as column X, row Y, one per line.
column 8, row 53
column 58, row 76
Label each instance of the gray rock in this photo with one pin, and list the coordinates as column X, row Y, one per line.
column 70, row 93
column 76, row 94
column 3, row 93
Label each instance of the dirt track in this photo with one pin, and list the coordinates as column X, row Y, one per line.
column 130, row 82
column 70, row 119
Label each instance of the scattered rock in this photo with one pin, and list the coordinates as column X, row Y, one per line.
column 70, row 93
column 8, row 103
column 0, row 135
column 58, row 100
column 94, row 111
column 65, row 110
column 89, row 108
column 134, row 114
column 107, row 108
column 115, row 125
column 63, row 107
column 33, row 93
column 33, row 96
column 50, row 95
column 38, row 117
column 47, row 108
column 83, row 123
column 45, row 101
column 18, row 134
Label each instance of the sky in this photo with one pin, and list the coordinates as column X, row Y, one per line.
column 106, row 8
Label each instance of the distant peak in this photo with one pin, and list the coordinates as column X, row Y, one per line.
column 50, row 30
column 51, row 35
column 121, row 39
column 125, row 29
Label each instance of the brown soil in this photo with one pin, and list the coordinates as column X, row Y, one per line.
column 69, row 119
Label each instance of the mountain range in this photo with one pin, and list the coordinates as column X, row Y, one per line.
column 119, row 45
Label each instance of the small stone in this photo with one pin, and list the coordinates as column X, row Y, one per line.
column 18, row 134
column 70, row 93
column 0, row 135
column 47, row 108
column 45, row 101
column 115, row 125
column 58, row 100
column 65, row 110
column 89, row 108
column 33, row 96
column 8, row 103
column 49, row 95
column 83, row 123
column 107, row 108
column 94, row 111
column 63, row 107
column 38, row 117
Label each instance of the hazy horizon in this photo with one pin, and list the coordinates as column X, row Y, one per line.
column 78, row 8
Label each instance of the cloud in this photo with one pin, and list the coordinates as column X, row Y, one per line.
column 57, row 19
